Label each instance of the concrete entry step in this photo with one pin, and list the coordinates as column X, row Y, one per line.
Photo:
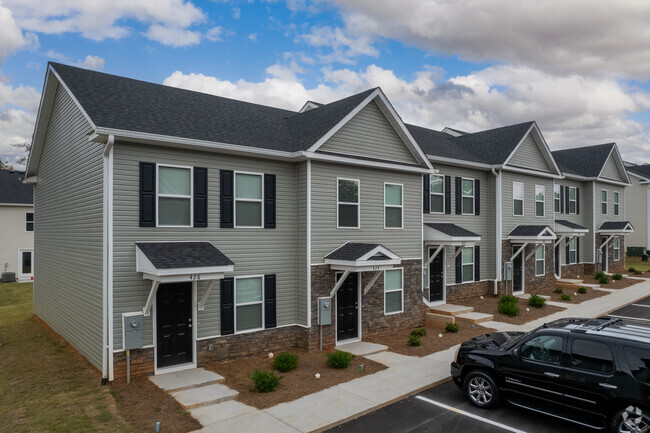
column 569, row 281
column 474, row 317
column 451, row 309
column 362, row 348
column 204, row 395
column 185, row 379
column 527, row 295
column 439, row 321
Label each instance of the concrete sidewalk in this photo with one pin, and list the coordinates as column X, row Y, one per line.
column 405, row 376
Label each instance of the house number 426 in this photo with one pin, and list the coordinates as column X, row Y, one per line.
column 195, row 277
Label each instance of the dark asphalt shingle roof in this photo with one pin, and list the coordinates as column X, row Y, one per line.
column 13, row 190
column 352, row 251
column 614, row 225
column 571, row 225
column 642, row 170
column 169, row 255
column 123, row 103
column 585, row 161
column 524, row 230
column 452, row 230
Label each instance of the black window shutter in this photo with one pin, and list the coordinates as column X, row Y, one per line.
column 459, row 267
column 200, row 197
column 269, row 301
column 227, row 306
column 577, row 250
column 269, row 201
column 426, row 188
column 477, row 263
column 477, row 197
column 561, row 199
column 226, row 188
column 147, row 194
column 567, row 253
column 448, row 195
column 459, row 196
column 566, row 200
column 578, row 201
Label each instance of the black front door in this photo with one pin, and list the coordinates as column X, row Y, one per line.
column 346, row 308
column 174, row 324
column 436, row 278
column 517, row 270
column 605, row 264
column 557, row 260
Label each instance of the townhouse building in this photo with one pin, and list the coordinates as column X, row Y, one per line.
column 637, row 205
column 17, row 227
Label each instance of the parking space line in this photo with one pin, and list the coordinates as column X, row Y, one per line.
column 471, row 415
column 628, row 317
column 641, row 305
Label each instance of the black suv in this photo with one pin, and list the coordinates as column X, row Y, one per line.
column 594, row 372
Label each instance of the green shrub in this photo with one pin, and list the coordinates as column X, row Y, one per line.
column 637, row 272
column 265, row 381
column 599, row 275
column 414, row 340
column 339, row 359
column 558, row 290
column 617, row 277
column 508, row 299
column 285, row 362
column 582, row 290
column 509, row 309
column 420, row 332
column 536, row 301
column 632, row 269
column 604, row 279
column 565, row 297
column 451, row 327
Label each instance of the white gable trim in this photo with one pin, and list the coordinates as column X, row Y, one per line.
column 546, row 151
column 618, row 160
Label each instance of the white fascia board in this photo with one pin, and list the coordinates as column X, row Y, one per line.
column 18, row 204
column 571, row 232
column 542, row 239
column 532, row 172
column 370, row 268
column 42, row 119
column 355, row 265
column 594, row 179
column 362, row 162
column 462, row 163
column 433, row 235
column 379, row 249
column 182, row 278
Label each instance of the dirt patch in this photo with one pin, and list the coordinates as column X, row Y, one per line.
column 576, row 297
column 294, row 384
column 431, row 343
column 613, row 284
column 489, row 305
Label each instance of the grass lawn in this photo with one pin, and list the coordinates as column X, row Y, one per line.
column 637, row 264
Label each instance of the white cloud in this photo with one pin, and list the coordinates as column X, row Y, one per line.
column 173, row 36
column 56, row 55
column 236, row 13
column 252, row 36
column 12, row 38
column 92, row 62
column 344, row 48
column 18, row 107
column 215, row 34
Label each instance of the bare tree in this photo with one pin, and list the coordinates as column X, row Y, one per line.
column 27, row 147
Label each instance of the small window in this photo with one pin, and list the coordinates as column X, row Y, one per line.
column 572, row 251
column 539, row 260
column 603, row 202
column 539, row 200
column 26, row 259
column 437, row 190
column 617, row 248
column 29, row 221
column 639, row 362
column 393, row 206
column 174, row 196
column 616, row 203
column 468, row 197
column 556, row 197
column 248, row 200
column 592, row 356
column 248, row 300
column 393, row 291
column 543, row 348
column 348, row 203
column 517, row 198
column 572, row 199
column 468, row 264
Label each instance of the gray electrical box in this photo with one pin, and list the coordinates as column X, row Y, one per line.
column 599, row 256
column 324, row 311
column 507, row 271
column 132, row 324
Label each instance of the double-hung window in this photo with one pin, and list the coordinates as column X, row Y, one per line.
column 468, row 264
column 572, row 200
column 174, row 196
column 616, row 203
column 603, row 202
column 617, row 248
column 393, row 206
column 393, row 291
column 539, row 200
column 249, row 303
column 468, row 197
column 249, row 197
column 539, row 260
column 572, row 251
column 348, row 203
column 29, row 221
column 517, row 198
column 437, row 191
column 556, row 197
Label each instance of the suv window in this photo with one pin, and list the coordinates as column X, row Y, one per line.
column 639, row 362
column 592, row 356
column 543, row 348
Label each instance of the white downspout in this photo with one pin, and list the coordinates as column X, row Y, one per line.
column 498, row 234
column 647, row 217
column 107, row 353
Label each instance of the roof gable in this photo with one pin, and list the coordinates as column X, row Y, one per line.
column 532, row 154
column 612, row 171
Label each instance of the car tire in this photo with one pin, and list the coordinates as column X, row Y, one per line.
column 629, row 421
column 481, row 389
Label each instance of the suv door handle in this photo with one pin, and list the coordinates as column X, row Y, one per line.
column 551, row 374
column 607, row 385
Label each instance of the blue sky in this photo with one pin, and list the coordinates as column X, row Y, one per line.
column 473, row 66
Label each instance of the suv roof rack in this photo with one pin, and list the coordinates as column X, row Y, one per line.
column 595, row 324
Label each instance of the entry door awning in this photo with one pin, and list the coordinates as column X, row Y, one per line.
column 615, row 228
column 361, row 257
column 567, row 228
column 538, row 234
column 448, row 234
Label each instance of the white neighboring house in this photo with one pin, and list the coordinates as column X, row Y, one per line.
column 16, row 225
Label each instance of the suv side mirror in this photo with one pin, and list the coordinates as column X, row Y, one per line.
column 515, row 352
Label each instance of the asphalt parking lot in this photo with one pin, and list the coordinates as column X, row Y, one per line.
column 637, row 312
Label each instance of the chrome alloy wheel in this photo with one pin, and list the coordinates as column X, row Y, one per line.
column 480, row 391
column 634, row 425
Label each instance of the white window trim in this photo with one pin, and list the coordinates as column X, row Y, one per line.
column 390, row 291
column 191, row 196
column 557, row 199
column 28, row 222
column 463, row 264
column 247, row 303
column 543, row 201
column 575, row 201
column 604, row 202
column 401, row 206
column 463, row 196
column 543, row 260
column 617, row 249
column 251, row 200
column 523, row 201
column 20, row 273
column 442, row 194
column 617, row 203
column 347, row 203
column 573, row 250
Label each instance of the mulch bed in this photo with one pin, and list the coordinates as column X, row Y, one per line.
column 576, row 298
column 431, row 343
column 489, row 305
column 613, row 284
column 294, row 384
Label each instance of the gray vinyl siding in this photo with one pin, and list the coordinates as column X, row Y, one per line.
column 254, row 251
column 611, row 171
column 636, row 212
column 483, row 224
column 509, row 220
column 68, row 237
column 600, row 218
column 584, row 218
column 529, row 156
column 326, row 237
column 301, row 243
column 369, row 134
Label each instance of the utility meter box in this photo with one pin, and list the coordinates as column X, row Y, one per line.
column 507, row 271
column 599, row 256
column 133, row 324
column 324, row 311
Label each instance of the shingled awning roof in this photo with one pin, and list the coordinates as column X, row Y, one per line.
column 615, row 227
column 176, row 261
column 448, row 234
column 532, row 233
column 359, row 257
column 564, row 227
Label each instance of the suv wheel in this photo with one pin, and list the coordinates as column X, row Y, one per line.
column 629, row 421
column 481, row 389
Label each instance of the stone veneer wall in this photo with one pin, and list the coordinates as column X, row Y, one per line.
column 575, row 271
column 532, row 283
column 615, row 266
column 469, row 290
